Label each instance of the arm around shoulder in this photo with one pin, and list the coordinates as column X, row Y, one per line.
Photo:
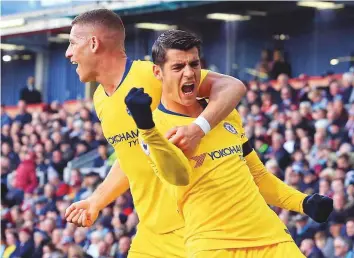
column 224, row 92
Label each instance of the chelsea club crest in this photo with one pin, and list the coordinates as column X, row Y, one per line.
column 230, row 128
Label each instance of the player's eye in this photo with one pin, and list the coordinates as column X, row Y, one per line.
column 195, row 64
column 177, row 67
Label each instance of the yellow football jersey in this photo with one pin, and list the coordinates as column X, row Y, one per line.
column 155, row 207
column 222, row 206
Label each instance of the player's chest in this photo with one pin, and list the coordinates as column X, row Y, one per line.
column 117, row 123
column 222, row 145
column 118, row 126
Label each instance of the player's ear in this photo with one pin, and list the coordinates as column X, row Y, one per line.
column 94, row 44
column 157, row 72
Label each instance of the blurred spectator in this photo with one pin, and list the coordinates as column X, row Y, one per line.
column 349, row 227
column 273, row 167
column 81, row 148
column 113, row 246
column 341, row 247
column 309, row 249
column 252, row 98
column 5, row 133
column 29, row 93
column 26, row 179
column 5, row 118
column 76, row 251
column 57, row 163
column 278, row 152
column 263, row 67
column 93, row 249
column 317, row 99
column 279, row 65
column 62, row 188
column 25, row 247
column 103, row 156
column 54, row 107
column 6, row 151
column 124, row 245
column 348, row 85
column 324, row 243
column 23, row 116
column 89, row 139
column 40, row 239
column 11, row 243
column 334, row 91
column 80, row 238
column 302, row 229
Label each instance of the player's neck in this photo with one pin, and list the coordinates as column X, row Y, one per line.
column 111, row 72
column 193, row 110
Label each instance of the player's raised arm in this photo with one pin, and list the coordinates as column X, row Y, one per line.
column 85, row 212
column 224, row 93
column 275, row 192
column 168, row 162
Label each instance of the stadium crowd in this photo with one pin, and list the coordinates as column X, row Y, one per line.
column 303, row 134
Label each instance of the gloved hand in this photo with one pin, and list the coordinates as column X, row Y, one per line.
column 318, row 207
column 138, row 104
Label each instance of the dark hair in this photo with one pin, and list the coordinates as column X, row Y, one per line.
column 173, row 39
column 344, row 156
column 103, row 17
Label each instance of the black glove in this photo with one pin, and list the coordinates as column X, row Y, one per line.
column 138, row 104
column 318, row 207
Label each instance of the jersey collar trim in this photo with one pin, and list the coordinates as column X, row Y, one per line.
column 162, row 108
column 128, row 65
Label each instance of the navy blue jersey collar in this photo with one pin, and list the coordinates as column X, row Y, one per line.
column 128, row 65
column 162, row 108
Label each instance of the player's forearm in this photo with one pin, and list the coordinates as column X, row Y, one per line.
column 115, row 184
column 274, row 191
column 168, row 162
column 225, row 94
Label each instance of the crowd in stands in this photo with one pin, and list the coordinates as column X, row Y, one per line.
column 35, row 149
column 303, row 134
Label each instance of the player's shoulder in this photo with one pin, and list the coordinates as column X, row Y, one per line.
column 143, row 71
column 232, row 120
column 143, row 67
column 158, row 116
column 163, row 121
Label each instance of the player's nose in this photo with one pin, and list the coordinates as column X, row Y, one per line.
column 188, row 71
column 68, row 53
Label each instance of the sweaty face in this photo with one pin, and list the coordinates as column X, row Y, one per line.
column 80, row 54
column 180, row 75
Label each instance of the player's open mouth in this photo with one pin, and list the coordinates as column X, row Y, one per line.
column 76, row 64
column 188, row 88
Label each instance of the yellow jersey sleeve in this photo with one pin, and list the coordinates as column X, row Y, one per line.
column 274, row 191
column 167, row 161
